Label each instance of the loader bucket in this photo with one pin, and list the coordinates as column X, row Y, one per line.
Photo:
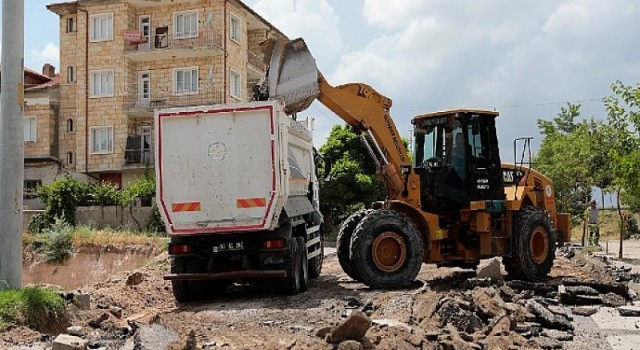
column 293, row 73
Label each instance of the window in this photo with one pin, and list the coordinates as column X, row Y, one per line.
column 31, row 186
column 185, row 24
column 71, row 25
column 185, row 81
column 69, row 125
column 234, row 28
column 234, row 85
column 102, row 83
column 102, row 27
column 30, row 129
column 102, row 139
column 69, row 158
column 71, row 74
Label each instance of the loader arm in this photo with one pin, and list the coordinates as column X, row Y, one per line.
column 293, row 78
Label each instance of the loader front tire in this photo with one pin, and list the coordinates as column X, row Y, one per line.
column 533, row 248
column 343, row 242
column 386, row 250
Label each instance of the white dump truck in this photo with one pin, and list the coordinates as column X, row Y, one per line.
column 238, row 193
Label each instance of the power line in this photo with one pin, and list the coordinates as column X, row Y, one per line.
column 528, row 105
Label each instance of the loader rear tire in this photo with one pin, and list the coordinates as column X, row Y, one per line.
column 343, row 242
column 293, row 265
column 386, row 250
column 533, row 248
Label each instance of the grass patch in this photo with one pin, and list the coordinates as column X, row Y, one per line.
column 57, row 243
column 31, row 306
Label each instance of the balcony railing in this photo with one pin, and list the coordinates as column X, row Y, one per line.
column 163, row 99
column 136, row 153
column 256, row 61
column 165, row 40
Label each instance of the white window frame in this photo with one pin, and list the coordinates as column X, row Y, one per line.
column 92, row 18
column 235, row 34
column 33, row 131
column 175, row 80
column 94, row 150
column 183, row 34
column 110, row 91
column 233, row 93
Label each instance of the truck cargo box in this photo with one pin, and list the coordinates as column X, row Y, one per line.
column 230, row 168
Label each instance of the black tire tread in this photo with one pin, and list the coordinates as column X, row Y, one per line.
column 520, row 265
column 315, row 264
column 343, row 242
column 304, row 264
column 364, row 235
column 291, row 284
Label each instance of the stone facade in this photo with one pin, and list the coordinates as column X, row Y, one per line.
column 215, row 41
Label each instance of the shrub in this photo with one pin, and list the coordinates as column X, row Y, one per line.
column 61, row 199
column 59, row 242
column 144, row 189
column 104, row 193
column 155, row 223
column 37, row 223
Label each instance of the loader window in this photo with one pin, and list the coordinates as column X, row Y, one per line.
column 435, row 145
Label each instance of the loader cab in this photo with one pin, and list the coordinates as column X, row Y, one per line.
column 456, row 155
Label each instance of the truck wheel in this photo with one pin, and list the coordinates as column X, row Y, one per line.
column 291, row 284
column 315, row 264
column 304, row 264
column 386, row 250
column 185, row 291
column 343, row 242
column 533, row 248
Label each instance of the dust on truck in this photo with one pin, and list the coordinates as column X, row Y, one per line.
column 238, row 193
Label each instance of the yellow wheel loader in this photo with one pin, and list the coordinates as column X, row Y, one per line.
column 454, row 204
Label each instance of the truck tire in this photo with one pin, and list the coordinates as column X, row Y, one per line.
column 533, row 248
column 185, row 291
column 304, row 264
column 386, row 250
column 343, row 242
column 293, row 265
column 315, row 264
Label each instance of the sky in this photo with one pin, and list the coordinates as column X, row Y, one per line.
column 526, row 59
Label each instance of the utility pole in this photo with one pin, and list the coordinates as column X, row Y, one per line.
column 11, row 143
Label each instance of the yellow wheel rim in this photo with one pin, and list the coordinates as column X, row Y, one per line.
column 389, row 251
column 539, row 245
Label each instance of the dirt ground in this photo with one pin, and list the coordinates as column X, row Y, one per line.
column 256, row 317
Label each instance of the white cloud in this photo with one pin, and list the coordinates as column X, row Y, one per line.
column 434, row 54
column 314, row 20
column 50, row 53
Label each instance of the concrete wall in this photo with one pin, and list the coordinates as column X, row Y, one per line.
column 113, row 216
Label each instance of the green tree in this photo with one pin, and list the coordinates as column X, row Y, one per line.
column 574, row 154
column 352, row 182
column 623, row 117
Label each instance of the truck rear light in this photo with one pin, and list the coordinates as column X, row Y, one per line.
column 273, row 244
column 180, row 249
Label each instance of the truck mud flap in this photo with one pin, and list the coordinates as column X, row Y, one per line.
column 226, row 275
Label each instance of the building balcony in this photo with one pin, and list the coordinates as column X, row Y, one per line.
column 139, row 106
column 256, row 66
column 137, row 154
column 164, row 45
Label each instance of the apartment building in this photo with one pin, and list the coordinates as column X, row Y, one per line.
column 121, row 59
column 41, row 105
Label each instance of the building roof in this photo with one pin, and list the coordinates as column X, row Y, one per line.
column 457, row 110
column 53, row 82
column 69, row 7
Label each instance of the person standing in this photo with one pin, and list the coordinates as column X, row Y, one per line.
column 593, row 225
